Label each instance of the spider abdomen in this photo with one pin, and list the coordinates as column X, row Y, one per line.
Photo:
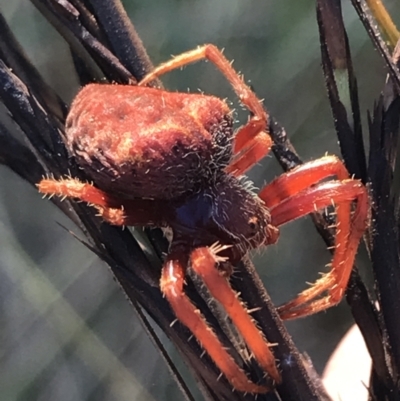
column 146, row 142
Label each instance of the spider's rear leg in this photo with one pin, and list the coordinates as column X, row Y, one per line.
column 298, row 193
column 172, row 281
column 115, row 210
column 245, row 139
column 253, row 151
column 213, row 54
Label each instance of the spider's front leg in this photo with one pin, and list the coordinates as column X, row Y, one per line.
column 203, row 261
column 298, row 193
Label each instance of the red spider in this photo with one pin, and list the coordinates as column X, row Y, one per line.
column 166, row 159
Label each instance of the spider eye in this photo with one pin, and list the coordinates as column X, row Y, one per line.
column 254, row 226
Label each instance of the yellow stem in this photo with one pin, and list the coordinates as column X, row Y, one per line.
column 384, row 20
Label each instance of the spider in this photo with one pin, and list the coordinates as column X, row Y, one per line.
column 165, row 159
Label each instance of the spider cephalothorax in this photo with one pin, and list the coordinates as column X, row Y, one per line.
column 227, row 212
column 167, row 159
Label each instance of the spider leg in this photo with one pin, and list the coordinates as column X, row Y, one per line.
column 172, row 281
column 116, row 211
column 203, row 261
column 302, row 177
column 213, row 54
column 256, row 125
column 298, row 193
column 249, row 153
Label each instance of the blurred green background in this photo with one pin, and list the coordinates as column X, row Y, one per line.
column 67, row 332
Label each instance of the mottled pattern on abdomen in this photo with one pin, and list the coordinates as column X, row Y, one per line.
column 144, row 142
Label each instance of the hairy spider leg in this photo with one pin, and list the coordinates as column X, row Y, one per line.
column 299, row 193
column 172, row 281
column 116, row 211
column 302, row 177
column 346, row 241
column 256, row 148
column 251, row 141
column 203, row 261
